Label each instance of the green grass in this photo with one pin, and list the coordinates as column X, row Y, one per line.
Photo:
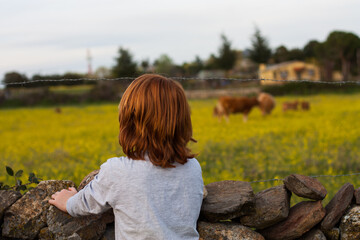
column 76, row 90
column 323, row 141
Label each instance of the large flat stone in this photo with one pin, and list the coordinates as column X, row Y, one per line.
column 227, row 200
column 205, row 193
column 357, row 196
column 337, row 206
column 88, row 178
column 304, row 186
column 271, row 206
column 27, row 216
column 350, row 224
column 226, row 230
column 109, row 233
column 62, row 226
column 302, row 217
column 7, row 198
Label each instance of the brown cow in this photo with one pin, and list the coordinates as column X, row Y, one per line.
column 266, row 103
column 290, row 106
column 227, row 105
column 58, row 110
column 305, row 105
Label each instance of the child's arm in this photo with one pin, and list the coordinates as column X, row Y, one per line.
column 94, row 198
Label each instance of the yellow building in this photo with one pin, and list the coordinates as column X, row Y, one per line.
column 292, row 70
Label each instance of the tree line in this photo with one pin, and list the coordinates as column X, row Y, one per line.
column 340, row 51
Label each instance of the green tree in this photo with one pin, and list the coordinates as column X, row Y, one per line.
column 326, row 60
column 192, row 68
column 309, row 49
column 211, row 63
column 164, row 65
column 260, row 51
column 344, row 46
column 281, row 54
column 145, row 65
column 14, row 77
column 125, row 65
column 296, row 54
column 227, row 56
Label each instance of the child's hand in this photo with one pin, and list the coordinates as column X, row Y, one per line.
column 59, row 199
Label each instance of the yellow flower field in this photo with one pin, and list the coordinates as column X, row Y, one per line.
column 322, row 141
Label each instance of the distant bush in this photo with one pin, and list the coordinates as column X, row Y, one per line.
column 309, row 88
column 107, row 91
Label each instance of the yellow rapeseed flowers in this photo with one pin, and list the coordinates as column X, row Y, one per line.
column 70, row 144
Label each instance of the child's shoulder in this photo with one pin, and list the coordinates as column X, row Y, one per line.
column 191, row 165
column 122, row 163
column 116, row 161
column 196, row 164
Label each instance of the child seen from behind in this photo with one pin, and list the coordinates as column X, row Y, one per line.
column 155, row 191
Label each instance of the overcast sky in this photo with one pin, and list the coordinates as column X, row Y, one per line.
column 42, row 36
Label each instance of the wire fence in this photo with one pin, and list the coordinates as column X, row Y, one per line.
column 186, row 78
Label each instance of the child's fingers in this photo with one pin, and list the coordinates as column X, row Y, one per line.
column 52, row 202
column 54, row 195
column 72, row 189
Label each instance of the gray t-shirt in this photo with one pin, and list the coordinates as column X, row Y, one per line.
column 149, row 202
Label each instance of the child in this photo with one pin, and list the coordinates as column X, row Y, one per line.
column 156, row 190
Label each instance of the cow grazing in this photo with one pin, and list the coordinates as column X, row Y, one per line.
column 290, row 106
column 228, row 105
column 305, row 105
column 58, row 110
column 266, row 103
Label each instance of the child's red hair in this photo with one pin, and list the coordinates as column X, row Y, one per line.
column 154, row 118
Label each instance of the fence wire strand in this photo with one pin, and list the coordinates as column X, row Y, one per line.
column 187, row 78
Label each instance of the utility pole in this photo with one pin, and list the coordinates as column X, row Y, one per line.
column 89, row 58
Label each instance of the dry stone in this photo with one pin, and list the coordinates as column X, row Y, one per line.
column 302, row 217
column 315, row 234
column 226, row 230
column 62, row 226
column 109, row 233
column 88, row 179
column 271, row 206
column 357, row 196
column 350, row 224
column 337, row 206
column 27, row 216
column 45, row 234
column 332, row 234
column 227, row 200
column 304, row 186
column 108, row 216
column 7, row 198
column 205, row 193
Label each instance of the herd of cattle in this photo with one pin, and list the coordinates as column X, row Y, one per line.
column 230, row 105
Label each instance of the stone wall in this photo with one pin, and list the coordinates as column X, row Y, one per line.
column 230, row 211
